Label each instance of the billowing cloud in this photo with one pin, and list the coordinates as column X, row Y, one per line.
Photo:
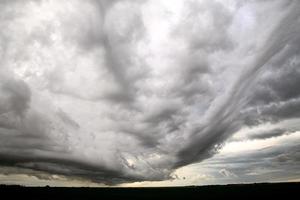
column 125, row 91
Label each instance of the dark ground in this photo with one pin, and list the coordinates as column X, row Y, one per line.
column 245, row 191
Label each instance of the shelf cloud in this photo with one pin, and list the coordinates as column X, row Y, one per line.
column 127, row 91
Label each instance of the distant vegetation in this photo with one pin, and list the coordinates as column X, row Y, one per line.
column 261, row 190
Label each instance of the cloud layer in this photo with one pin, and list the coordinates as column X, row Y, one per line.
column 125, row 91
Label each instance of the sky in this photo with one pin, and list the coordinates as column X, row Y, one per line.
column 149, row 93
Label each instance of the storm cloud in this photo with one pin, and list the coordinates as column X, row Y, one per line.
column 126, row 91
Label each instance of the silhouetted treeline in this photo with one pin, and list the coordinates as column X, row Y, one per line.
column 245, row 191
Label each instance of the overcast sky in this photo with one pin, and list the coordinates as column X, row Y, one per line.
column 148, row 92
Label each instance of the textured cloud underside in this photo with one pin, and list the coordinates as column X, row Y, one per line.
column 123, row 91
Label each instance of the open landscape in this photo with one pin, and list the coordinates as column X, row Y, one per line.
column 149, row 99
column 265, row 190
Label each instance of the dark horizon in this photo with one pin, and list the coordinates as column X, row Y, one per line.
column 149, row 93
column 262, row 190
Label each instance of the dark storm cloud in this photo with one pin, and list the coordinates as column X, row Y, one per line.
column 124, row 91
column 67, row 167
column 276, row 96
column 223, row 119
column 281, row 83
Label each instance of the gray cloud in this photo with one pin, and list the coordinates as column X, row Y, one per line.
column 124, row 91
column 268, row 134
column 15, row 96
column 277, row 163
column 228, row 108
